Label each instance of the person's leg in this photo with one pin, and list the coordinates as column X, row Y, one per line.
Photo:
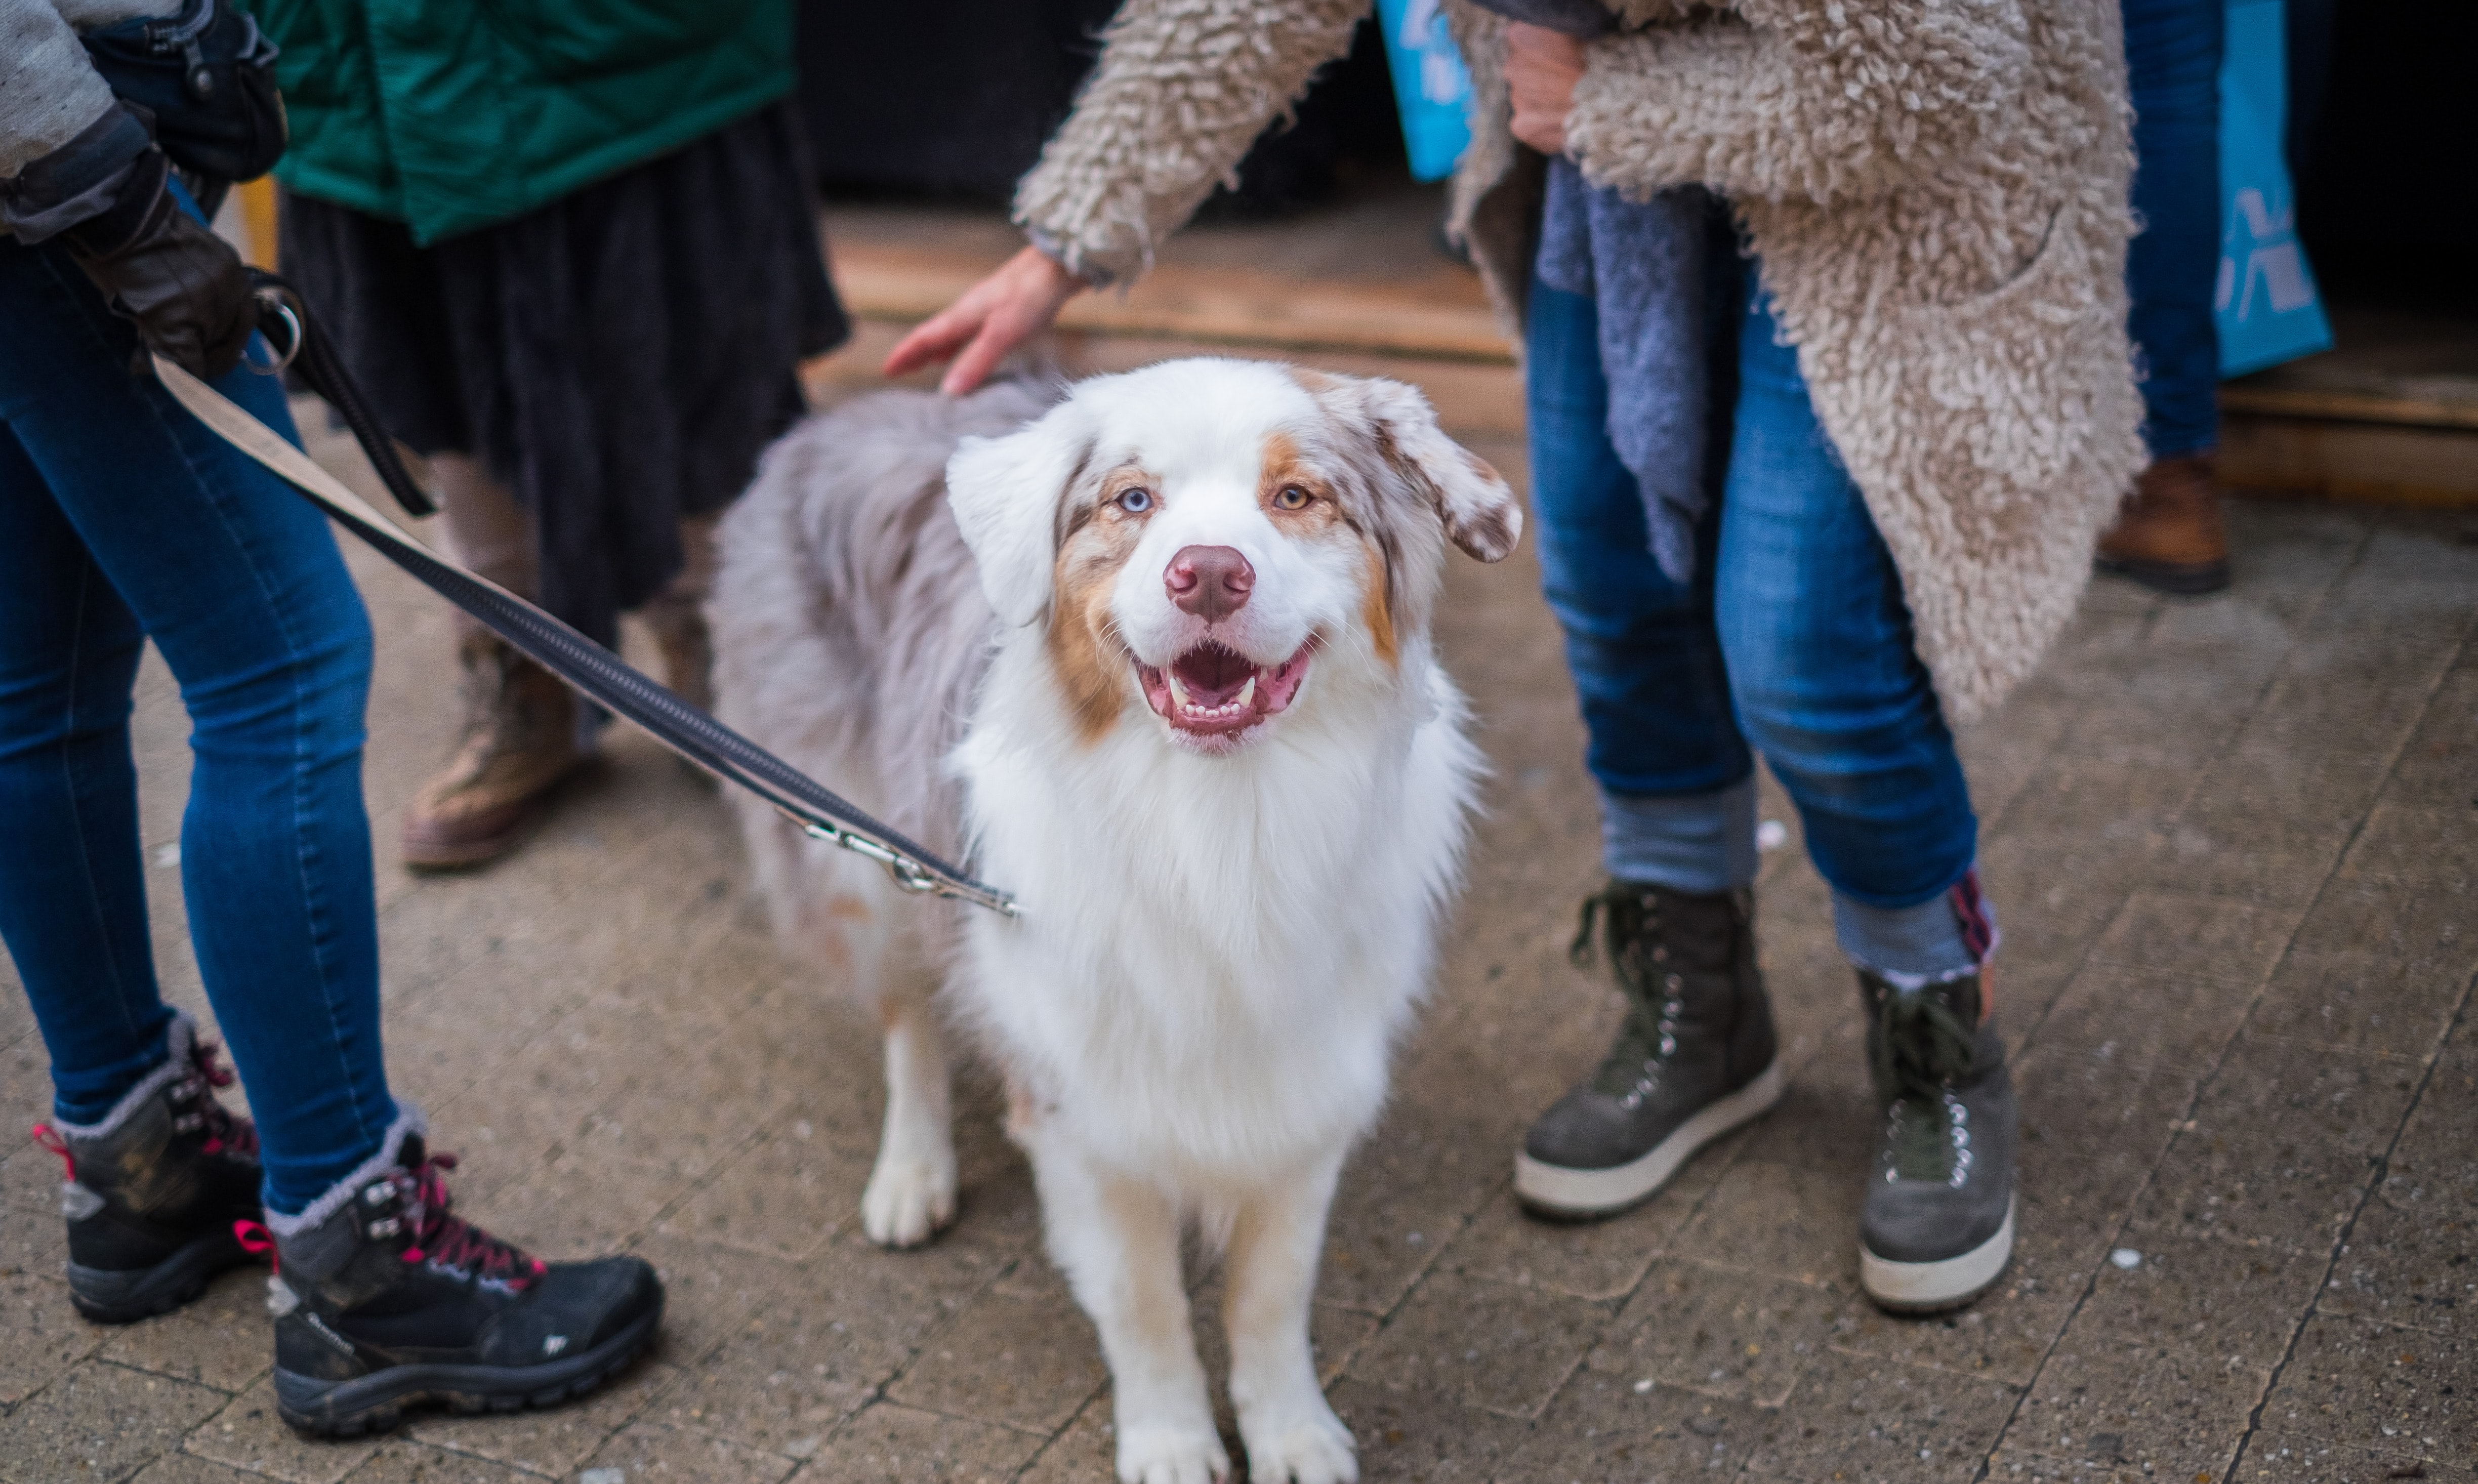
column 2170, row 535
column 72, row 884
column 1833, row 692
column 1812, row 619
column 676, row 615
column 237, row 581
column 2173, row 57
column 488, row 532
column 157, row 1171
column 519, row 735
column 1676, row 778
column 1695, row 1054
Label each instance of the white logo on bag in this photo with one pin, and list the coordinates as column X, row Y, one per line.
column 2272, row 262
column 1442, row 79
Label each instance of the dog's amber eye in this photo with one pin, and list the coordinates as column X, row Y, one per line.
column 1291, row 498
column 1135, row 502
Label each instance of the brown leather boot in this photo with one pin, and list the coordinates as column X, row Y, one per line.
column 519, row 741
column 2169, row 535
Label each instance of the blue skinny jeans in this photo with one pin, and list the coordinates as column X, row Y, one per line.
column 1793, row 640
column 2172, row 55
column 123, row 518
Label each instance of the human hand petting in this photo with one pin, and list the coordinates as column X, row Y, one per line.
column 1542, row 67
column 992, row 317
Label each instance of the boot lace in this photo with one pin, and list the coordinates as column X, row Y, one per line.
column 1640, row 957
column 1929, row 1138
column 446, row 1240
column 227, row 1132
column 1920, row 1050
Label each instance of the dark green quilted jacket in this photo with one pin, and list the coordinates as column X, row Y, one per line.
column 451, row 115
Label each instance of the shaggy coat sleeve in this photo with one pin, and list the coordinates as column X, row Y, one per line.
column 1815, row 99
column 1182, row 88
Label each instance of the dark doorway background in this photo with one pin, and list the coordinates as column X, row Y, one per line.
column 956, row 100
column 2386, row 151
column 953, row 101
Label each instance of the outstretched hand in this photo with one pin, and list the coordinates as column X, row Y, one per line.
column 992, row 317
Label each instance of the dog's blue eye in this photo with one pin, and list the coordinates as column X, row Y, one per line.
column 1135, row 502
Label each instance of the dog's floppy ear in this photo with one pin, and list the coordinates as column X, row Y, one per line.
column 1004, row 492
column 1479, row 513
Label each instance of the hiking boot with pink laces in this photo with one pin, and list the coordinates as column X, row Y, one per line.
column 387, row 1299
column 153, row 1191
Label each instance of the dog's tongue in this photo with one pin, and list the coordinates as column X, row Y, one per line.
column 1213, row 690
column 1213, row 675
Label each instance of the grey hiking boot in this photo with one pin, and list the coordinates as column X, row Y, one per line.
column 154, row 1189
column 389, row 1299
column 1937, row 1228
column 1695, row 1058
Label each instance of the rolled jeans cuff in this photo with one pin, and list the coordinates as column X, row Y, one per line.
column 1949, row 935
column 1696, row 842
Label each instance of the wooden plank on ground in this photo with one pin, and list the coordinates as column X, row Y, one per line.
column 1217, row 305
column 2367, row 461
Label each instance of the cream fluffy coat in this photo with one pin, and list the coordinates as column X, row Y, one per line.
column 1221, row 942
column 1937, row 190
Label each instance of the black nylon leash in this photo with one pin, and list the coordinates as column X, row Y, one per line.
column 590, row 668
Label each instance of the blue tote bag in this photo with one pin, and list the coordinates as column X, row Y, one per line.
column 2265, row 308
column 1431, row 90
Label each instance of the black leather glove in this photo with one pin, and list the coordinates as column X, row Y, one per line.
column 163, row 270
column 106, row 196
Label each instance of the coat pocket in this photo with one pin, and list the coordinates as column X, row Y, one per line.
column 2025, row 367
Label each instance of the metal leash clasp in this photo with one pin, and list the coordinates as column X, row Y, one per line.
column 908, row 874
column 275, row 306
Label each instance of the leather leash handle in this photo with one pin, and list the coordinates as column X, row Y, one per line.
column 587, row 667
column 308, row 351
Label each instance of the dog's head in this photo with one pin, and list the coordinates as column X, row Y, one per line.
column 1201, row 536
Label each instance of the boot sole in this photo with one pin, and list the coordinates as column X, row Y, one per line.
column 2181, row 579
column 437, row 857
column 1558, row 1190
column 441, row 858
column 124, row 1297
column 1949, row 1283
column 376, row 1402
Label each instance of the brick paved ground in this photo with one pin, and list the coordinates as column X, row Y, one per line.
column 2235, row 843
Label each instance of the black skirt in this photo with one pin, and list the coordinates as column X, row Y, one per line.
column 618, row 358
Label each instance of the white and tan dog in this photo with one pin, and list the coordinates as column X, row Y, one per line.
column 1157, row 660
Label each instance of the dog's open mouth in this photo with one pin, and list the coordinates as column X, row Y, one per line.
column 1213, row 691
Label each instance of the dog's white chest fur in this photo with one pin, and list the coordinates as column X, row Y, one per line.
column 1217, row 953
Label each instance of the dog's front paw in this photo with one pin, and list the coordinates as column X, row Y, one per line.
column 907, row 1201
column 1171, row 1453
column 1304, row 1444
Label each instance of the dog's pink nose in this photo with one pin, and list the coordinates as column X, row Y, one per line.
column 1212, row 581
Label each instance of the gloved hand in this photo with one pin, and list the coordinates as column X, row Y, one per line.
column 106, row 196
column 184, row 287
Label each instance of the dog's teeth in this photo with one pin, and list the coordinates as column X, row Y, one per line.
column 1246, row 695
column 1178, row 691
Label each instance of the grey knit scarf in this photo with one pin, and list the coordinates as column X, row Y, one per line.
column 1645, row 264
column 1649, row 266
